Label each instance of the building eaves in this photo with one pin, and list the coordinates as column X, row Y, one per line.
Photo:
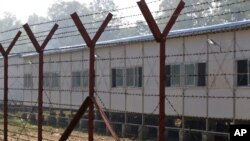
column 239, row 25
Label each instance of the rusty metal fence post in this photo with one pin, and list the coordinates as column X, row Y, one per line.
column 91, row 44
column 5, row 56
column 40, row 51
column 160, row 38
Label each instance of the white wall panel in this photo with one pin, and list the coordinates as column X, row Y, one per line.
column 194, row 106
column 220, row 107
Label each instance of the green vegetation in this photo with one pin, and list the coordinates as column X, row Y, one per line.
column 62, row 9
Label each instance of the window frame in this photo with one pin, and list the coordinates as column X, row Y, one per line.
column 85, row 78
column 247, row 73
column 74, row 79
column 171, row 75
column 123, row 77
column 194, row 74
column 132, row 75
column 55, row 80
column 136, row 80
column 199, row 75
column 135, row 77
column 46, row 80
column 28, row 80
column 49, row 79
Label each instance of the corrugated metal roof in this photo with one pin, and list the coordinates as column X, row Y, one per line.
column 172, row 34
column 187, row 32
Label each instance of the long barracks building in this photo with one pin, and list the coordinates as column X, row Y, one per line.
column 207, row 82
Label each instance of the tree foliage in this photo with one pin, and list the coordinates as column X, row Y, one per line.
column 197, row 13
column 211, row 11
column 9, row 21
column 62, row 10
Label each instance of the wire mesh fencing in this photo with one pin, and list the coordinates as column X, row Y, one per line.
column 198, row 78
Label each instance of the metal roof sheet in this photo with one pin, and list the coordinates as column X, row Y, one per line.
column 172, row 34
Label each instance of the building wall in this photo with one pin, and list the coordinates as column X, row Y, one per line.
column 181, row 100
column 242, row 105
column 15, row 70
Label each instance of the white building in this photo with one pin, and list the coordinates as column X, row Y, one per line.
column 207, row 86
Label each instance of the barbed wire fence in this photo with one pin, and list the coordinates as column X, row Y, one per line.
column 23, row 110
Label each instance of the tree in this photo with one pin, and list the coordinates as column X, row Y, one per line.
column 184, row 20
column 103, row 7
column 40, row 31
column 62, row 9
column 233, row 7
column 213, row 12
column 92, row 17
column 139, row 28
column 9, row 21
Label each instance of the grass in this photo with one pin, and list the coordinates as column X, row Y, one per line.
column 20, row 129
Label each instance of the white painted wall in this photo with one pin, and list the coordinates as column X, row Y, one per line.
column 220, row 63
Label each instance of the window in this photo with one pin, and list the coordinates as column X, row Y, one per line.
column 51, row 80
column 134, row 77
column 76, row 79
column 55, row 80
column 190, row 74
column 243, row 71
column 80, row 79
column 117, row 77
column 28, row 81
column 195, row 74
column 172, row 75
column 175, row 72
column 85, row 79
column 201, row 74
column 46, row 80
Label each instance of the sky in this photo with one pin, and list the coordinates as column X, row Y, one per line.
column 23, row 8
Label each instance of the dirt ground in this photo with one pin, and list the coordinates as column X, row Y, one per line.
column 53, row 135
column 20, row 130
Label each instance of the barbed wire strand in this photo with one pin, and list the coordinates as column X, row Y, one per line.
column 124, row 24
